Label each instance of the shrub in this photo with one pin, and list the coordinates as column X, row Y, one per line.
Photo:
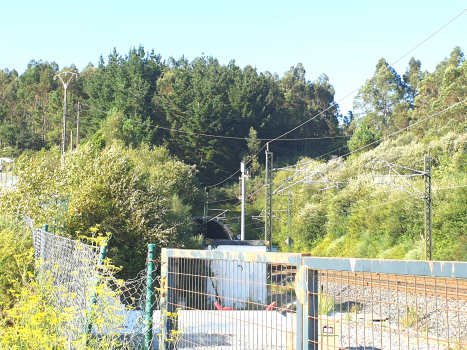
column 15, row 240
column 45, row 314
column 140, row 195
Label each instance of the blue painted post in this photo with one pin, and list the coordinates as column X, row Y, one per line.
column 102, row 256
column 299, row 321
column 150, row 296
column 310, row 327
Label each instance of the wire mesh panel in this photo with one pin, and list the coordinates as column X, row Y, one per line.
column 97, row 302
column 230, row 303
column 68, row 264
column 365, row 310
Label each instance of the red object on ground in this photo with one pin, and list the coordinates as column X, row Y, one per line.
column 219, row 307
column 269, row 308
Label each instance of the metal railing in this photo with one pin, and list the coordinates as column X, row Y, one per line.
column 246, row 300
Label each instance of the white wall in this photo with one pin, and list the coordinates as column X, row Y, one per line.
column 239, row 281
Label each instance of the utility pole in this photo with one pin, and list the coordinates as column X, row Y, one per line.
column 242, row 219
column 65, row 86
column 78, row 126
column 428, row 226
column 269, row 190
column 205, row 216
column 289, row 213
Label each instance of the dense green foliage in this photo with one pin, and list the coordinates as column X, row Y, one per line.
column 360, row 218
column 15, row 240
column 202, row 96
column 367, row 219
column 139, row 195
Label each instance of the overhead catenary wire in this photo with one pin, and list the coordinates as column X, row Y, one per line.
column 447, row 188
column 388, row 202
column 250, row 195
column 359, row 209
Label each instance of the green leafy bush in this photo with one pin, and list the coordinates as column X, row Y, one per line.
column 140, row 195
column 15, row 240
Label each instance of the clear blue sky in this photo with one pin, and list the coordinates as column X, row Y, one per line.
column 343, row 39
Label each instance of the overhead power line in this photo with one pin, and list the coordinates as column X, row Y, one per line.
column 355, row 90
column 407, row 127
column 303, row 165
column 9, row 65
column 214, row 136
column 374, row 76
column 217, row 136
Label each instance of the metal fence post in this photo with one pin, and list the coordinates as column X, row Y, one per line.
column 102, row 256
column 163, row 300
column 300, row 308
column 150, row 296
column 310, row 327
column 172, row 300
column 168, row 270
column 42, row 252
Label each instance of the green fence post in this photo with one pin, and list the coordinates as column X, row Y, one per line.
column 150, row 296
column 102, row 256
column 163, row 302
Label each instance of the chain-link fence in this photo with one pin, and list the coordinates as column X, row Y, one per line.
column 104, row 310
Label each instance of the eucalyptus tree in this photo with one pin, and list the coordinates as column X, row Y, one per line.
column 376, row 100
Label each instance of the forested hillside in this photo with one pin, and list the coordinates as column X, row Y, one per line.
column 359, row 204
column 123, row 96
column 138, row 101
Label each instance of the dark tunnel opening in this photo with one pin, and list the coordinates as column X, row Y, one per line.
column 215, row 229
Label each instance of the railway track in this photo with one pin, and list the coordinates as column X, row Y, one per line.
column 440, row 287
